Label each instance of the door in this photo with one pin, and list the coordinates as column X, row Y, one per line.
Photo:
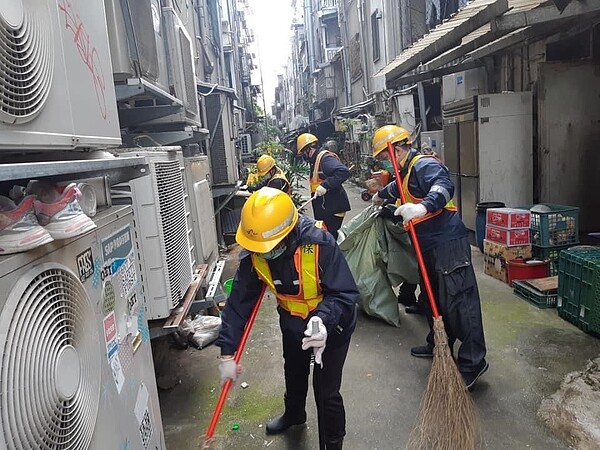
column 506, row 148
column 451, row 153
column 467, row 142
column 568, row 161
column 469, row 197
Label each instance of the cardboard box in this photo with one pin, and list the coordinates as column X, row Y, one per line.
column 507, row 236
column 495, row 256
column 508, row 217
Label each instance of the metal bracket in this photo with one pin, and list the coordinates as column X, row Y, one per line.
column 215, row 291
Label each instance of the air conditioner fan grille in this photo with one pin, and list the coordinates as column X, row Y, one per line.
column 50, row 373
column 26, row 63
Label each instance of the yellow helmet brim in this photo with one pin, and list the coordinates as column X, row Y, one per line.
column 264, row 244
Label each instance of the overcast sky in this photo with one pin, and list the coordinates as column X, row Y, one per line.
column 271, row 21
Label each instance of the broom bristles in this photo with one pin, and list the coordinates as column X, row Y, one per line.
column 448, row 418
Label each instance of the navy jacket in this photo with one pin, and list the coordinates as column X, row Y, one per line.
column 334, row 173
column 340, row 294
column 430, row 181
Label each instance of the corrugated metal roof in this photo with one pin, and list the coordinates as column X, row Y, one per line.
column 445, row 35
column 439, row 41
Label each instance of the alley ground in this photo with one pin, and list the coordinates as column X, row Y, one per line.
column 529, row 350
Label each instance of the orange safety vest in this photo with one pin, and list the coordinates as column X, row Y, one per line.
column 450, row 206
column 282, row 176
column 306, row 261
column 315, row 179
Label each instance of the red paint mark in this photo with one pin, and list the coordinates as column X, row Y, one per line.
column 87, row 52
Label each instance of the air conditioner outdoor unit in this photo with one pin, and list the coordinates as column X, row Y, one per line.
column 181, row 54
column 136, row 41
column 161, row 223
column 204, row 231
column 77, row 370
column 56, row 87
column 246, row 145
column 461, row 85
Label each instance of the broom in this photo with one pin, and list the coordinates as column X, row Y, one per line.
column 208, row 437
column 447, row 418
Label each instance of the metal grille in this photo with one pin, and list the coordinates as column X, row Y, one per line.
column 218, row 157
column 50, row 374
column 26, row 61
column 169, row 187
column 188, row 74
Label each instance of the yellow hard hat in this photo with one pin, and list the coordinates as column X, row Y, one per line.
column 303, row 140
column 268, row 216
column 264, row 164
column 389, row 133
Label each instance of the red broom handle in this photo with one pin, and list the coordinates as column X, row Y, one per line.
column 238, row 355
column 413, row 237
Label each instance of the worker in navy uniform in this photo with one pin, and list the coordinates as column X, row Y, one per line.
column 301, row 264
column 327, row 174
column 446, row 251
column 270, row 175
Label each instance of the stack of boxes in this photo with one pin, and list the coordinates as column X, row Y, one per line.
column 507, row 237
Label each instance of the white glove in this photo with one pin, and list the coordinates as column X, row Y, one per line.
column 320, row 191
column 229, row 370
column 315, row 340
column 410, row 211
column 377, row 200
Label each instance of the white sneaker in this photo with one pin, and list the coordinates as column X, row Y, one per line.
column 19, row 228
column 58, row 211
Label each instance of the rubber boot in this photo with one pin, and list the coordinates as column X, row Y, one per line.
column 295, row 414
column 334, row 445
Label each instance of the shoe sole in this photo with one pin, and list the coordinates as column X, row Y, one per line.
column 481, row 372
column 70, row 228
column 421, row 355
column 22, row 242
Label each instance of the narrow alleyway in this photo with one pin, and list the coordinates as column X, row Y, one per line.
column 529, row 351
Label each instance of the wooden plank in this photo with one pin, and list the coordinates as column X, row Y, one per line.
column 545, row 285
column 180, row 313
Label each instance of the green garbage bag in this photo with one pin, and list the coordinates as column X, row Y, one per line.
column 380, row 256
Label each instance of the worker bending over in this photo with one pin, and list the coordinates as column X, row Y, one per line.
column 301, row 264
column 443, row 238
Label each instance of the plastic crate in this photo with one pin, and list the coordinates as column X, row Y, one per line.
column 559, row 226
column 551, row 254
column 532, row 295
column 589, row 308
column 572, row 277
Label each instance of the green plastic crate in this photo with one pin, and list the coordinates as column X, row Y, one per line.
column 532, row 295
column 549, row 253
column 589, row 308
column 557, row 227
column 573, row 275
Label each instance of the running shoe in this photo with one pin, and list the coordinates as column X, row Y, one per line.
column 58, row 209
column 19, row 228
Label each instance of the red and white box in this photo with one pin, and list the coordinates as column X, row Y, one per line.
column 507, row 236
column 508, row 217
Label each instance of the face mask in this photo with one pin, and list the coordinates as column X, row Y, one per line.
column 387, row 165
column 275, row 253
column 305, row 155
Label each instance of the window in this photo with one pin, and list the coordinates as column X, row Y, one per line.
column 375, row 34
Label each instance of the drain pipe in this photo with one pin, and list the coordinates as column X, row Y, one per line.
column 309, row 35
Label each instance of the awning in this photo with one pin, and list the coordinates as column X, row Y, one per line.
column 482, row 28
column 445, row 36
column 209, row 88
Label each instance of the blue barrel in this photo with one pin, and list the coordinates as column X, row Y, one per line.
column 480, row 220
